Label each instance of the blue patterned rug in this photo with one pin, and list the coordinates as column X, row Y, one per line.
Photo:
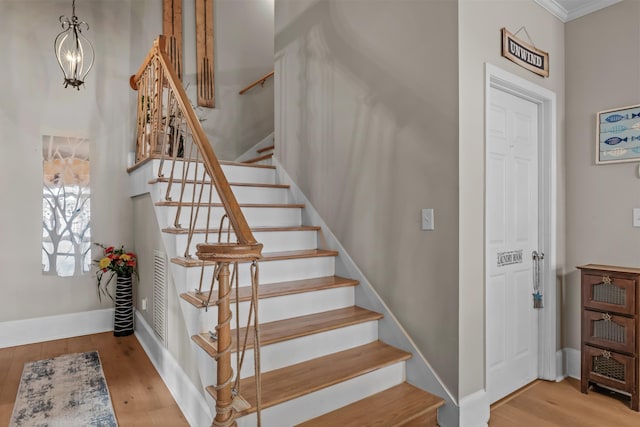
column 65, row 391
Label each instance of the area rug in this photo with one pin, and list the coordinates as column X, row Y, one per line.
column 67, row 391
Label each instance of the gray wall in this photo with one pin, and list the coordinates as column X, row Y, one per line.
column 243, row 53
column 366, row 124
column 148, row 238
column 33, row 102
column 603, row 62
column 480, row 41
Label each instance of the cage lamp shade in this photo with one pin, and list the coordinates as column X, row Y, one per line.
column 74, row 51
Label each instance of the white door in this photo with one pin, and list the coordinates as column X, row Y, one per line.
column 511, row 238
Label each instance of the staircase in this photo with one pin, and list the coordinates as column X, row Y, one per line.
column 321, row 360
column 322, row 363
column 264, row 155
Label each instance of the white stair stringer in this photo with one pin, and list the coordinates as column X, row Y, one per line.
column 285, row 353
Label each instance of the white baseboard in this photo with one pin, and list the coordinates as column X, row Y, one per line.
column 40, row 329
column 561, row 368
column 572, row 362
column 192, row 402
column 474, row 410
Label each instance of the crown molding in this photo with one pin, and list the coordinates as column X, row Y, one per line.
column 585, row 7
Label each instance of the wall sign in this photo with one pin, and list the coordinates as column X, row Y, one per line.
column 524, row 54
column 508, row 258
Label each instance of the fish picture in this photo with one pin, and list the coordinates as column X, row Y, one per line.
column 618, row 135
column 614, row 140
column 614, row 129
column 615, row 153
column 616, row 118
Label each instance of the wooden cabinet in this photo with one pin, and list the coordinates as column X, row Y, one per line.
column 610, row 328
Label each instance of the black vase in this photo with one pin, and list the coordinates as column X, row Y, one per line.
column 123, row 316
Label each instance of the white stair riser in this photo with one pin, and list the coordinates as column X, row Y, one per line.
column 328, row 399
column 256, row 217
column 298, row 350
column 284, row 307
column 279, row 355
column 273, row 241
column 244, row 194
column 269, row 272
column 234, row 173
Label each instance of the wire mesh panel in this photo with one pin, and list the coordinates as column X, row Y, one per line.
column 609, row 293
column 607, row 366
column 609, row 330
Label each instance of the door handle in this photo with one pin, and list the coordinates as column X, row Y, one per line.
column 537, row 295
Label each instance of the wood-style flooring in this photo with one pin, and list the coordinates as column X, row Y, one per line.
column 551, row 404
column 139, row 396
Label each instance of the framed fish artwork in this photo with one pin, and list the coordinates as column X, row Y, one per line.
column 618, row 135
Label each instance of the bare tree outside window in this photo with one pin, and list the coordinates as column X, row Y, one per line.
column 66, row 207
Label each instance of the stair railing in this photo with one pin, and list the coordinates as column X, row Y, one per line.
column 168, row 130
column 260, row 82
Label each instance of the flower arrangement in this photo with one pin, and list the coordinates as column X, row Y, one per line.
column 114, row 262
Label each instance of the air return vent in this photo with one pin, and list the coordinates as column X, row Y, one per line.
column 160, row 295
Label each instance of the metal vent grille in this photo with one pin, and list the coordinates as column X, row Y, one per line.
column 160, row 295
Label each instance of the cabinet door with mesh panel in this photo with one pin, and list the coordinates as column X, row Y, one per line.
column 609, row 331
column 609, row 368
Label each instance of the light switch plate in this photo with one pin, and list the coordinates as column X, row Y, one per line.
column 427, row 219
column 636, row 217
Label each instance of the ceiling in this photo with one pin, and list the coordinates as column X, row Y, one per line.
column 567, row 10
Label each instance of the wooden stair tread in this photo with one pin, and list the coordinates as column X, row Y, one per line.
column 263, row 149
column 296, row 327
column 390, row 408
column 177, row 181
column 269, row 256
column 251, row 165
column 271, row 290
column 281, row 385
column 259, row 158
column 173, row 230
column 242, row 205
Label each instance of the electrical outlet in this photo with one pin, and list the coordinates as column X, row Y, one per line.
column 427, row 219
column 144, row 304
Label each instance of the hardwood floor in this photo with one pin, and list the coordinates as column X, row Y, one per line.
column 550, row 404
column 139, row 396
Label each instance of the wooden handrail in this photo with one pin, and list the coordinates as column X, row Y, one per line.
column 260, row 81
column 212, row 165
column 169, row 130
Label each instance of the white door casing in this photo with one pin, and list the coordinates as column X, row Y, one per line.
column 511, row 236
column 545, row 103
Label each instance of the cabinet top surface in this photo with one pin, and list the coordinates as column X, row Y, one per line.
column 610, row 268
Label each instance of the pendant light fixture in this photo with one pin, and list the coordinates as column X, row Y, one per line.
column 74, row 51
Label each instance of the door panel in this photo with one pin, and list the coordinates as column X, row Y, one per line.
column 511, row 227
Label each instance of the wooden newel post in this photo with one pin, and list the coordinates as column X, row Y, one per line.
column 225, row 254
column 224, row 371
